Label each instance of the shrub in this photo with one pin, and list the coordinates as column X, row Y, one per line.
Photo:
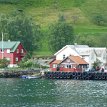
column 25, row 64
column 4, row 63
column 99, row 20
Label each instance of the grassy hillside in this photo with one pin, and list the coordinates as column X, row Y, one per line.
column 80, row 13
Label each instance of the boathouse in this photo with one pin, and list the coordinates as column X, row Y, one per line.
column 12, row 51
column 69, row 64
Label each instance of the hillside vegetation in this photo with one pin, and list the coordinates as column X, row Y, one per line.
column 88, row 17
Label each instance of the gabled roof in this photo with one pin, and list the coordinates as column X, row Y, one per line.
column 12, row 45
column 84, row 51
column 99, row 51
column 78, row 46
column 57, row 61
column 73, row 47
column 77, row 59
column 60, row 50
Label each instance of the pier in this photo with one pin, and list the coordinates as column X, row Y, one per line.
column 77, row 75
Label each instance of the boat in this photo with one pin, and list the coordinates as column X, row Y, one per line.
column 30, row 76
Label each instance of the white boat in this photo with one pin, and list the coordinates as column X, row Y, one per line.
column 30, row 76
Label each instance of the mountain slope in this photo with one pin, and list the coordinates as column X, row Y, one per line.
column 84, row 15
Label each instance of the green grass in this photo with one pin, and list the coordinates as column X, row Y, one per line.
column 80, row 29
column 42, row 53
column 7, row 8
column 46, row 12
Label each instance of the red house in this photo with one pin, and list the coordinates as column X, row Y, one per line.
column 12, row 51
column 69, row 64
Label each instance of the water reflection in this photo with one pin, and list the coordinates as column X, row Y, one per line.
column 52, row 93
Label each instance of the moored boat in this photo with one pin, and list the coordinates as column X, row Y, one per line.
column 30, row 76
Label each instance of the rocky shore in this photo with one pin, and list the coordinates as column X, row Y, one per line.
column 17, row 74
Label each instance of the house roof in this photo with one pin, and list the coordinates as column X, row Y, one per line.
column 84, row 51
column 57, row 61
column 78, row 46
column 12, row 45
column 74, row 47
column 77, row 59
column 99, row 51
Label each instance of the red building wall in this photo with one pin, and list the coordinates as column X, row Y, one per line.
column 65, row 69
column 7, row 55
column 13, row 55
column 18, row 55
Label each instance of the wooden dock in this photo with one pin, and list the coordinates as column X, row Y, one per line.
column 76, row 75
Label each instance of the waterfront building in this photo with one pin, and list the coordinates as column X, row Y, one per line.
column 69, row 64
column 13, row 51
column 89, row 54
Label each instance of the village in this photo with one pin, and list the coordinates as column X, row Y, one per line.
column 53, row 53
column 71, row 58
column 80, row 58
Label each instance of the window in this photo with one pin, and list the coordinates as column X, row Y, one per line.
column 16, row 58
column 8, row 59
column 63, row 56
column 17, row 50
column 8, row 50
column 65, row 66
column 2, row 51
column 54, row 66
column 69, row 66
column 22, row 51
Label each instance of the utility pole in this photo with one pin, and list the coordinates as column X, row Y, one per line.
column 2, row 45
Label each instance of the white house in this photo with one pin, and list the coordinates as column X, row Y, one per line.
column 65, row 52
column 89, row 54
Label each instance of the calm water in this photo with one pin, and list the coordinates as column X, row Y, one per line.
column 52, row 93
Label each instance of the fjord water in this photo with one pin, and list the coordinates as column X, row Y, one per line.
column 52, row 93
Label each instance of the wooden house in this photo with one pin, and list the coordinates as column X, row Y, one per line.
column 12, row 51
column 69, row 64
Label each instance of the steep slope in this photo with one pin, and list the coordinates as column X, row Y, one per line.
column 84, row 15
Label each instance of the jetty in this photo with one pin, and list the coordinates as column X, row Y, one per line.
column 76, row 75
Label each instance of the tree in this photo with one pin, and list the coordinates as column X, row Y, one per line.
column 88, row 40
column 9, row 1
column 103, row 38
column 96, row 65
column 4, row 63
column 18, row 27
column 99, row 19
column 61, row 34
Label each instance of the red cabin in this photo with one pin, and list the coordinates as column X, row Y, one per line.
column 12, row 51
column 69, row 64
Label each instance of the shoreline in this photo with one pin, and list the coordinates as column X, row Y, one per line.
column 17, row 74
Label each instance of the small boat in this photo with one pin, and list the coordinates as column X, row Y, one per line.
column 30, row 76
